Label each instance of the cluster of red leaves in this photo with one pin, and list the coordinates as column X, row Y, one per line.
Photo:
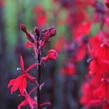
column 38, row 42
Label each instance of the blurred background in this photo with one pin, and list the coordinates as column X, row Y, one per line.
column 63, row 77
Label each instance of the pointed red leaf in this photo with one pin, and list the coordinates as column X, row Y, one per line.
column 22, row 63
column 23, row 85
column 31, row 66
column 23, row 103
column 29, row 44
column 44, row 104
column 11, row 82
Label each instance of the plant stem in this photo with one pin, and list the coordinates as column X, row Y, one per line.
column 39, row 71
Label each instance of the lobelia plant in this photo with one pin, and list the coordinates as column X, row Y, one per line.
column 97, row 86
column 38, row 42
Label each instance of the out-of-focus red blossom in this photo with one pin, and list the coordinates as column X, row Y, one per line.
column 60, row 43
column 42, row 20
column 96, row 92
column 84, row 3
column 99, row 49
column 83, row 29
column 89, row 99
column 52, row 55
column 81, row 53
column 41, row 16
column 79, row 15
column 106, row 3
column 106, row 106
column 106, row 21
column 69, row 69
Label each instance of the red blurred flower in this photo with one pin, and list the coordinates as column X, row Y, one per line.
column 69, row 69
column 83, row 29
column 107, row 3
column 60, row 43
column 41, row 16
column 81, row 53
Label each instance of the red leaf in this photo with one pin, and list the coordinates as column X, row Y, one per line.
column 23, row 85
column 23, row 103
column 31, row 66
column 22, row 63
column 31, row 78
column 11, row 82
column 29, row 44
column 46, row 103
column 107, row 3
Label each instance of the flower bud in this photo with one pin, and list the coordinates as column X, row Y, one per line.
column 29, row 35
column 23, row 28
column 52, row 55
column 36, row 30
column 52, row 31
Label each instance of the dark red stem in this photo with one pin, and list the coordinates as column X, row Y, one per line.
column 39, row 72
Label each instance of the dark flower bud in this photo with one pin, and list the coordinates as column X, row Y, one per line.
column 29, row 35
column 107, row 3
column 48, row 33
column 52, row 31
column 23, row 28
column 37, row 30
